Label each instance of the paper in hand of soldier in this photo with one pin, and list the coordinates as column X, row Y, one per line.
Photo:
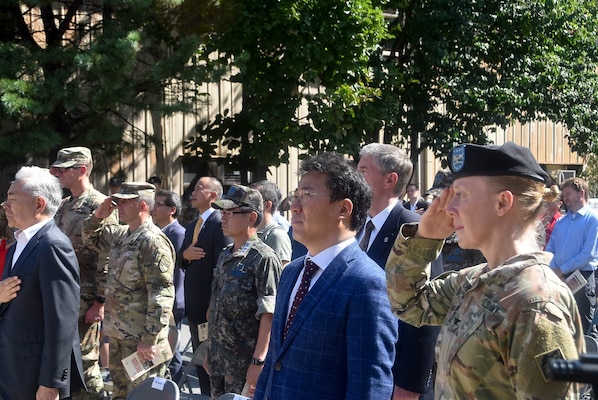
column 135, row 366
column 202, row 330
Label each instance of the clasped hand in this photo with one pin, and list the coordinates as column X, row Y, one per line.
column 9, row 288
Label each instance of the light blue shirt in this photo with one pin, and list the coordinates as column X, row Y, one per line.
column 574, row 242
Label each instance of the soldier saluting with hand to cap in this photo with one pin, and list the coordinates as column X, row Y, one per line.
column 502, row 318
column 139, row 287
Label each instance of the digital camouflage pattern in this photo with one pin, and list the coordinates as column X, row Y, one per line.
column 139, row 287
column 496, row 324
column 244, row 287
column 71, row 214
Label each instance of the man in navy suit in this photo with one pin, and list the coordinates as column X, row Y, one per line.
column 167, row 208
column 415, row 202
column 338, row 343
column 200, row 255
column 40, row 356
column 387, row 169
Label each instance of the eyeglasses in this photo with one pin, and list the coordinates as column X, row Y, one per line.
column 302, row 195
column 160, row 204
column 229, row 213
column 62, row 170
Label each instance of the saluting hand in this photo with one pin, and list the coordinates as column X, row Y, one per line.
column 105, row 208
column 436, row 223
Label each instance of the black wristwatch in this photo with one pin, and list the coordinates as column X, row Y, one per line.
column 255, row 361
column 100, row 299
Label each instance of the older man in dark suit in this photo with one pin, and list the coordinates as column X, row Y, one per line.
column 387, row 169
column 40, row 356
column 204, row 240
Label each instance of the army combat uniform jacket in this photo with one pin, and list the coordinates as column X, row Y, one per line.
column 139, row 288
column 497, row 324
column 71, row 214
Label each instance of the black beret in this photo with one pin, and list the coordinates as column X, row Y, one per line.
column 492, row 160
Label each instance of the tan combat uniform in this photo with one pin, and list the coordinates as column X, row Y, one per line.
column 69, row 218
column 139, row 292
column 496, row 324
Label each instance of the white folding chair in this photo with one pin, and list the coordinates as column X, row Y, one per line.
column 196, row 359
column 233, row 396
column 155, row 388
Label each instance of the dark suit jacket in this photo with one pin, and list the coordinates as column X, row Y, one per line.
column 199, row 273
column 341, row 342
column 39, row 339
column 421, row 203
column 415, row 348
column 176, row 233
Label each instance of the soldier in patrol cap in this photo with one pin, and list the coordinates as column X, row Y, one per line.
column 73, row 168
column 243, row 296
column 503, row 319
column 139, row 288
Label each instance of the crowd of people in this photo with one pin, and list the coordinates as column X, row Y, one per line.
column 364, row 295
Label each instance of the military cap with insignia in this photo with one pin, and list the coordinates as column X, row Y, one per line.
column 442, row 180
column 71, row 156
column 132, row 190
column 508, row 159
column 241, row 196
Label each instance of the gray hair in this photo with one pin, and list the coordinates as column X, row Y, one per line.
column 215, row 186
column 39, row 182
column 390, row 159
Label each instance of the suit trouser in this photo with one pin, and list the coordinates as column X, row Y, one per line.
column 202, row 375
column 586, row 303
column 122, row 385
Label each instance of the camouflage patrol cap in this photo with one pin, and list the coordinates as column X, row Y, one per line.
column 442, row 180
column 508, row 159
column 241, row 196
column 132, row 190
column 71, row 156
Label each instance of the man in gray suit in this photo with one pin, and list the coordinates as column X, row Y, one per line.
column 39, row 340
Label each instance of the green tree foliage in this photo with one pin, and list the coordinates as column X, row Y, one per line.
column 491, row 63
column 437, row 73
column 76, row 71
column 277, row 50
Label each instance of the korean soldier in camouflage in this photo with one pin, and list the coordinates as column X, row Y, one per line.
column 501, row 321
column 139, row 287
column 243, row 296
column 73, row 167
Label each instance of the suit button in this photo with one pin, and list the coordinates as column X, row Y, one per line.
column 278, row 366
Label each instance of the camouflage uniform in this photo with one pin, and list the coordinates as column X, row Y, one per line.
column 69, row 218
column 139, row 291
column 496, row 324
column 244, row 287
